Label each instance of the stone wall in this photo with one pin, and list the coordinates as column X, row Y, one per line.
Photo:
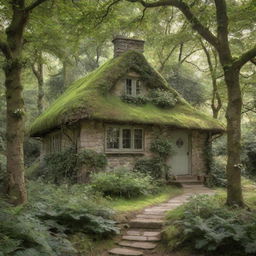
column 92, row 136
column 198, row 151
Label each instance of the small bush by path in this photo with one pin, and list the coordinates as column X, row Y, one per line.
column 206, row 225
column 123, row 183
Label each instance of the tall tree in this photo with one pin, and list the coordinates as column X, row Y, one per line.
column 11, row 45
column 231, row 66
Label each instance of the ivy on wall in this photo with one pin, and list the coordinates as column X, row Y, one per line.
column 156, row 166
column 64, row 166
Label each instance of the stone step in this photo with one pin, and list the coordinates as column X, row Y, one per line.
column 142, row 238
column 188, row 182
column 149, row 216
column 146, row 223
column 138, row 245
column 124, row 252
column 153, row 213
column 186, row 177
column 143, row 233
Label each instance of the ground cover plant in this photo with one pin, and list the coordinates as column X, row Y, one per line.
column 52, row 215
column 206, row 225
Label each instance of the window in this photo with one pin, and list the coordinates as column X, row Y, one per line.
column 113, row 135
column 132, row 87
column 138, row 138
column 128, row 87
column 138, row 87
column 124, row 139
column 127, row 138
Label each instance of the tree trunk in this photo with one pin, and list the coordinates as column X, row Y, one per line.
column 233, row 116
column 15, row 106
column 15, row 134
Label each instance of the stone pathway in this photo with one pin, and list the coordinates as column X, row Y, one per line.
column 145, row 229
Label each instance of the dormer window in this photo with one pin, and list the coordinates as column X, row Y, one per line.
column 132, row 87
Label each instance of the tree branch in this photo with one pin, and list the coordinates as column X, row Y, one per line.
column 186, row 10
column 200, row 69
column 247, row 56
column 34, row 5
column 107, row 11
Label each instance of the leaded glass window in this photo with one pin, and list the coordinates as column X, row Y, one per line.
column 138, row 138
column 127, row 138
column 113, row 135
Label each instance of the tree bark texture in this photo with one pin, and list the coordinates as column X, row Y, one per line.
column 37, row 69
column 15, row 186
column 233, row 116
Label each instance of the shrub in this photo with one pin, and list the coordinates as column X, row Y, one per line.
column 137, row 100
column 92, row 160
column 60, row 167
column 162, row 147
column 123, row 183
column 156, row 166
column 153, row 167
column 163, row 98
column 217, row 176
column 249, row 155
column 207, row 225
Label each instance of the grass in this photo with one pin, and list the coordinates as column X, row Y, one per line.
column 248, row 189
column 124, row 205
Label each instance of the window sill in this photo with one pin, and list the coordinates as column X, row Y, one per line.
column 124, row 152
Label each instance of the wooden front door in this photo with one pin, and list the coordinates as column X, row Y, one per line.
column 180, row 161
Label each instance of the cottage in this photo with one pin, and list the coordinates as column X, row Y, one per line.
column 120, row 108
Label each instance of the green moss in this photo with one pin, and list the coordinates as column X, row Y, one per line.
column 89, row 98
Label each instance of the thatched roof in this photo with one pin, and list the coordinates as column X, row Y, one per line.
column 89, row 98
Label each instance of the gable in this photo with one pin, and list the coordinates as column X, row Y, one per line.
column 91, row 98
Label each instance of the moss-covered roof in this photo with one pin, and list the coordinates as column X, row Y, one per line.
column 89, row 98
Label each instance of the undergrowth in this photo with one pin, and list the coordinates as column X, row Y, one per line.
column 41, row 226
column 206, row 225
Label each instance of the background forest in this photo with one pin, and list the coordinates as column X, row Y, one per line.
column 64, row 41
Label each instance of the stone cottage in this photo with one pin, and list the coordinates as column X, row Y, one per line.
column 118, row 110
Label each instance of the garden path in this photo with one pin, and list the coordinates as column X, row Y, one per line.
column 144, row 232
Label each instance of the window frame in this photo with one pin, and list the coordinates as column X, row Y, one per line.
column 121, row 149
column 134, row 82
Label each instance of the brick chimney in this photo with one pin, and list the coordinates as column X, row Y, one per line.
column 123, row 44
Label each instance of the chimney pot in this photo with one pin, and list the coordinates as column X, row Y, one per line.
column 123, row 44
